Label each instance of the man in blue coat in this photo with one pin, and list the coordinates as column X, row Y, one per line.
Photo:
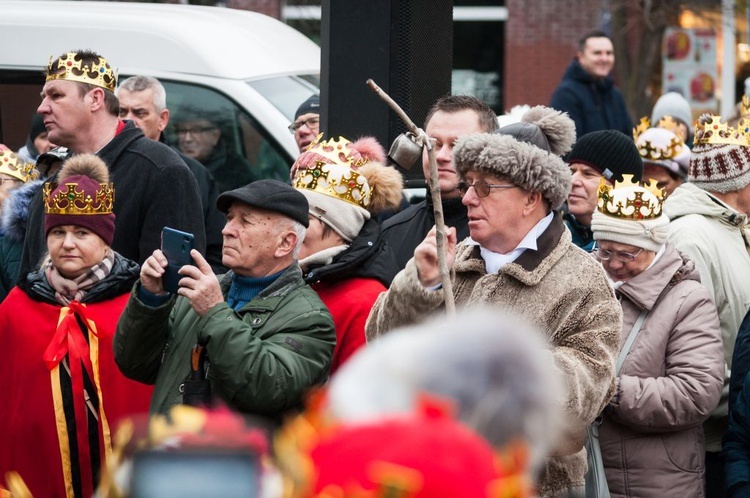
column 587, row 92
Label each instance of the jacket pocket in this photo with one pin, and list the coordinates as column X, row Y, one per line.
column 685, row 449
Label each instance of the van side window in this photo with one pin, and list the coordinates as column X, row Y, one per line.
column 212, row 129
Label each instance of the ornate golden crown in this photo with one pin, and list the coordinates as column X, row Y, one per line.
column 717, row 133
column 630, row 200
column 334, row 173
column 12, row 164
column 69, row 200
column 649, row 151
column 71, row 67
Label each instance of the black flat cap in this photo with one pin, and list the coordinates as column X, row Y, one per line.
column 271, row 195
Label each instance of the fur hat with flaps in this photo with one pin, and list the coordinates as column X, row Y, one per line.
column 82, row 196
column 346, row 183
column 523, row 159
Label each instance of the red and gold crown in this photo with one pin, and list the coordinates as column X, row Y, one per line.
column 655, row 152
column 709, row 130
column 70, row 66
column 12, row 164
column 70, row 200
column 630, row 200
column 334, row 173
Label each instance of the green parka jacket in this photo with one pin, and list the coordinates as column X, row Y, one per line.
column 262, row 357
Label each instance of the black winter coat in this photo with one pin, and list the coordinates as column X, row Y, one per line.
column 592, row 105
column 153, row 189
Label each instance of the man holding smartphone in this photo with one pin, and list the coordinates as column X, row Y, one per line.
column 267, row 334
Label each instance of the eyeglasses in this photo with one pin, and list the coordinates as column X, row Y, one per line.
column 311, row 123
column 481, row 187
column 199, row 130
column 621, row 256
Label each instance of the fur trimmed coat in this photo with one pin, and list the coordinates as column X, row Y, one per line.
column 559, row 289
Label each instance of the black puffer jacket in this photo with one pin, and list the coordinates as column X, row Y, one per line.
column 368, row 256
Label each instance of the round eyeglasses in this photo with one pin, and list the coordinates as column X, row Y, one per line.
column 481, row 187
column 621, row 256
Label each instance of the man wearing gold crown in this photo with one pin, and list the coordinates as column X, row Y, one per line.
column 519, row 256
column 709, row 216
column 154, row 187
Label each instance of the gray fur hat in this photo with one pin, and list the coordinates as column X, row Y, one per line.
column 521, row 163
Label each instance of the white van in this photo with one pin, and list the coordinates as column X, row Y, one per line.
column 247, row 69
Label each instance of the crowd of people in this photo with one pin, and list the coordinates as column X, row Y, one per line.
column 600, row 273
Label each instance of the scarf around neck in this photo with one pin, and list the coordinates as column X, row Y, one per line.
column 67, row 290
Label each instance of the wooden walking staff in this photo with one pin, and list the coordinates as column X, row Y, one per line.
column 437, row 205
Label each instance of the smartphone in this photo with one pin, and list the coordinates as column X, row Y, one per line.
column 176, row 246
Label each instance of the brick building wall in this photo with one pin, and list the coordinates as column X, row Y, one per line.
column 540, row 41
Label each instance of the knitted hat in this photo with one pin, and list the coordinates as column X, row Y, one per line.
column 631, row 213
column 719, row 167
column 346, row 182
column 311, row 105
column 610, row 152
column 664, row 148
column 271, row 195
column 83, row 197
column 675, row 105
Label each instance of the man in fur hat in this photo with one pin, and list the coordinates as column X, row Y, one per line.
column 519, row 256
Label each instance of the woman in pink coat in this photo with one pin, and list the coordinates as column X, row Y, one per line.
column 671, row 364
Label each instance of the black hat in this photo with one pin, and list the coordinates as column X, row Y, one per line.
column 610, row 152
column 310, row 105
column 271, row 195
column 37, row 126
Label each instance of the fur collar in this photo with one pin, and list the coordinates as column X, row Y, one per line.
column 16, row 210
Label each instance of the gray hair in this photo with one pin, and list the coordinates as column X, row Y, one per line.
column 140, row 83
column 495, row 367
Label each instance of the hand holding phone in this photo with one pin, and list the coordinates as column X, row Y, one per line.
column 176, row 246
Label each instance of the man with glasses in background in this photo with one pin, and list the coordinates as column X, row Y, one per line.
column 199, row 135
column 520, row 257
column 306, row 125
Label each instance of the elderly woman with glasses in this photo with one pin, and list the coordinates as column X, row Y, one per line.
column 670, row 368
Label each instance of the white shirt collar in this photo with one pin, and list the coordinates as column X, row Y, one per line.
column 493, row 261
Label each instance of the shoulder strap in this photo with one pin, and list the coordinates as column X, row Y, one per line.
column 630, row 340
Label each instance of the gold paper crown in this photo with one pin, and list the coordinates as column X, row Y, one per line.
column 71, row 201
column 12, row 164
column 649, row 151
column 715, row 132
column 630, row 200
column 334, row 173
column 71, row 67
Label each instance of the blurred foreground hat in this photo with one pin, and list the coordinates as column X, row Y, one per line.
column 662, row 146
column 12, row 164
column 631, row 213
column 311, row 105
column 721, row 155
column 271, row 195
column 610, row 152
column 525, row 153
column 346, row 182
column 83, row 196
column 425, row 454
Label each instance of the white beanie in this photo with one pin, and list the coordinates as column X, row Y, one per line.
column 648, row 234
column 675, row 105
column 345, row 218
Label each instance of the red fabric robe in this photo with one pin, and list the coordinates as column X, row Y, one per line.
column 349, row 302
column 33, row 436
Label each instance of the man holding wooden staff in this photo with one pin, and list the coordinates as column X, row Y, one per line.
column 519, row 256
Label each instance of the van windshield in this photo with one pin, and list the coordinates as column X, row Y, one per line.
column 286, row 93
